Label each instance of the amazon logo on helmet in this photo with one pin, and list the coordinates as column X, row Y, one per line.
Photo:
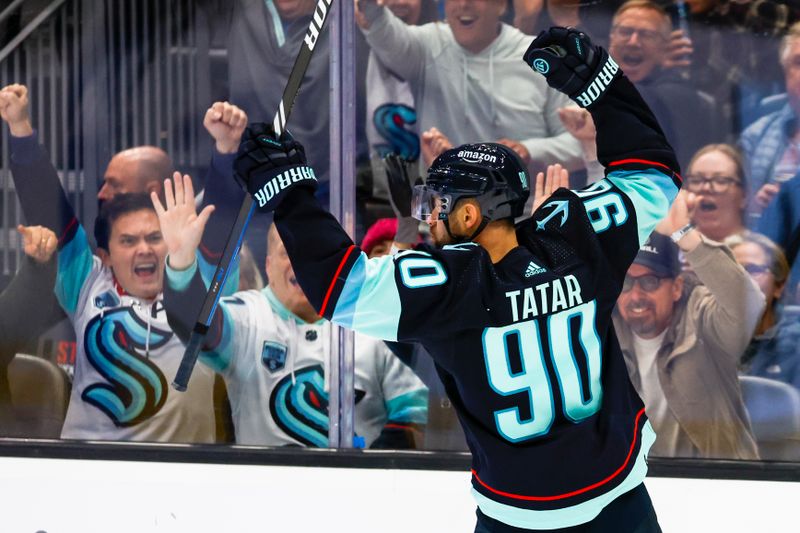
column 491, row 173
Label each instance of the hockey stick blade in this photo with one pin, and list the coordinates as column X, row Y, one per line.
column 236, row 236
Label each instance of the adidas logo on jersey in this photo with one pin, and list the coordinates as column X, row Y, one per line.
column 533, row 269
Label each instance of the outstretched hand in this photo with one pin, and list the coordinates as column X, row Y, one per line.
column 225, row 122
column 181, row 226
column 14, row 109
column 38, row 243
column 556, row 178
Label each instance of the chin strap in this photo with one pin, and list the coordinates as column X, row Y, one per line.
column 459, row 240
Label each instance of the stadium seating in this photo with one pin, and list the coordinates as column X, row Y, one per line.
column 39, row 393
column 774, row 409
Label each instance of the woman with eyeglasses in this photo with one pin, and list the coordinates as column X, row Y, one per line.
column 716, row 179
column 773, row 351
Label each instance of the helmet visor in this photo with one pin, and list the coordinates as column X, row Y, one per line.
column 428, row 204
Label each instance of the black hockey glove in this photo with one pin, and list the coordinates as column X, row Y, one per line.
column 268, row 167
column 572, row 64
column 399, row 187
column 400, row 193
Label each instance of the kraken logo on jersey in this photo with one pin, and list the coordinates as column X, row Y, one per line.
column 273, row 355
column 390, row 120
column 115, row 344
column 300, row 406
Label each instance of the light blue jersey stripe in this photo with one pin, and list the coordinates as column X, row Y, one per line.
column 576, row 514
column 410, row 407
column 180, row 279
column 74, row 265
column 651, row 193
column 219, row 359
column 369, row 302
column 208, row 270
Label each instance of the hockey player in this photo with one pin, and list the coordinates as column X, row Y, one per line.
column 273, row 349
column 517, row 318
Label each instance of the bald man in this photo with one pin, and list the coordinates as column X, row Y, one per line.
column 138, row 169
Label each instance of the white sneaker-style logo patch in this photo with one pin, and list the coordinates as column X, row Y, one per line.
column 533, row 269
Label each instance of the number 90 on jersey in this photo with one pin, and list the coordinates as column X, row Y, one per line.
column 532, row 378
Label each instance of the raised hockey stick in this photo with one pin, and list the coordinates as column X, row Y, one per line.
column 246, row 211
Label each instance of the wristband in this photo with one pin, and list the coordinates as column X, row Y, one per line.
column 680, row 233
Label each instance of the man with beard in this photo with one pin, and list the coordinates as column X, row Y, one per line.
column 681, row 341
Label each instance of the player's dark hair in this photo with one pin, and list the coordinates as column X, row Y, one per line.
column 113, row 209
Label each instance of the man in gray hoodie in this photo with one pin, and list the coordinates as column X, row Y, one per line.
column 468, row 81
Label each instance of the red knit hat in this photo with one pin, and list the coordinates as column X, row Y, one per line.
column 383, row 229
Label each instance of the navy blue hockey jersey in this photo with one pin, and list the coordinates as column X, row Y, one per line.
column 525, row 346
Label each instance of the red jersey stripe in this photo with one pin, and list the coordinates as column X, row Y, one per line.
column 335, row 277
column 575, row 492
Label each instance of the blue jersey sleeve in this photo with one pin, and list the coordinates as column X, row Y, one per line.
column 45, row 203
column 222, row 192
column 75, row 263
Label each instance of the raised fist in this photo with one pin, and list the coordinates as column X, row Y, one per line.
column 14, row 109
column 268, row 166
column 571, row 64
column 225, row 123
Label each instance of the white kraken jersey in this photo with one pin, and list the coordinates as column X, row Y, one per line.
column 275, row 369
column 127, row 357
